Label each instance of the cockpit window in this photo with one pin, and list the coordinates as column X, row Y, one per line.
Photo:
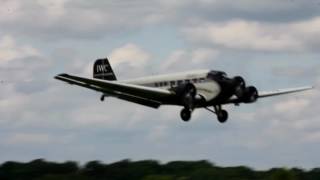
column 216, row 74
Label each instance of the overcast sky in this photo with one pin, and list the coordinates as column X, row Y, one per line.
column 272, row 44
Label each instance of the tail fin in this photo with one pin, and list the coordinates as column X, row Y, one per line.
column 102, row 70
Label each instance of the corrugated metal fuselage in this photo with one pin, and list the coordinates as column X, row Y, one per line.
column 213, row 86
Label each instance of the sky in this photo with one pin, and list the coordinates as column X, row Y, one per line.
column 273, row 44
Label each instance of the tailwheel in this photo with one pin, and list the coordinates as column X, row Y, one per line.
column 222, row 116
column 185, row 114
column 102, row 97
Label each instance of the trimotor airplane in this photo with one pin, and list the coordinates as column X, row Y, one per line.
column 191, row 90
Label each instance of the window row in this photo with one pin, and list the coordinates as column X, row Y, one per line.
column 178, row 82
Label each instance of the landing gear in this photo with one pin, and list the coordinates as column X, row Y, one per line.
column 185, row 114
column 102, row 97
column 188, row 94
column 222, row 115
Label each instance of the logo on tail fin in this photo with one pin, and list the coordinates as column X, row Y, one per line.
column 102, row 70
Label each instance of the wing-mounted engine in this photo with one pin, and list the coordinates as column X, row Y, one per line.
column 187, row 96
column 250, row 95
column 245, row 94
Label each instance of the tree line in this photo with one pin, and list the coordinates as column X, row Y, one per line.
column 41, row 169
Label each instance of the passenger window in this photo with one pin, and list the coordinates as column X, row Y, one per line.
column 187, row 81
column 179, row 82
column 201, row 80
column 165, row 84
column 195, row 80
column 172, row 83
column 156, row 84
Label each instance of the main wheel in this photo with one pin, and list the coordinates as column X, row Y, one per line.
column 102, row 98
column 185, row 114
column 222, row 116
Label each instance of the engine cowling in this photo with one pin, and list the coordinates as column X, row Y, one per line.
column 250, row 95
column 240, row 86
column 186, row 94
column 245, row 94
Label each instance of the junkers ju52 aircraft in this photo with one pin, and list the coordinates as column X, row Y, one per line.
column 191, row 90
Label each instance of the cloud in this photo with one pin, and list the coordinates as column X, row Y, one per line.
column 158, row 133
column 20, row 65
column 129, row 54
column 130, row 60
column 292, row 106
column 25, row 71
column 312, row 137
column 183, row 59
column 54, row 8
column 291, row 119
column 9, row 10
column 10, row 50
column 257, row 36
column 27, row 139
column 49, row 19
column 66, row 19
column 266, row 11
column 35, row 139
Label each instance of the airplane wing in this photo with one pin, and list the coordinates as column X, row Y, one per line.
column 283, row 91
column 264, row 94
column 148, row 96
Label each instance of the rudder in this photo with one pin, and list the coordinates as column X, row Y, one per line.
column 103, row 70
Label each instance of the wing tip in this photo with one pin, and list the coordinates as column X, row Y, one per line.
column 309, row 87
column 59, row 76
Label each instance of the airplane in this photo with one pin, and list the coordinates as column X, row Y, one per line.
column 191, row 90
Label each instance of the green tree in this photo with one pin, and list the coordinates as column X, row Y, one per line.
column 281, row 174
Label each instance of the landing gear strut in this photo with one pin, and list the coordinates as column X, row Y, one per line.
column 188, row 100
column 222, row 114
column 102, row 97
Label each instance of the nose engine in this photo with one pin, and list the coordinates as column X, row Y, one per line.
column 245, row 94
